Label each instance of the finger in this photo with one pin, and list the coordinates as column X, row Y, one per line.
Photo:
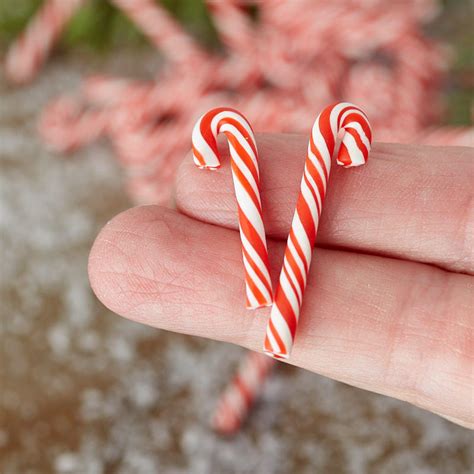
column 410, row 202
column 398, row 328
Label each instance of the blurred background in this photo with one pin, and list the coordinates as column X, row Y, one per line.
column 97, row 102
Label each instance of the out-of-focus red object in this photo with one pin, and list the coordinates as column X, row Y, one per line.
column 280, row 70
column 241, row 393
column 26, row 56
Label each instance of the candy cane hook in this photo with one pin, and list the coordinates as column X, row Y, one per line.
column 353, row 151
column 245, row 174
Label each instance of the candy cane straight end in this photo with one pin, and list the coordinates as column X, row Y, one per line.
column 341, row 124
column 251, row 306
column 273, row 346
column 245, row 174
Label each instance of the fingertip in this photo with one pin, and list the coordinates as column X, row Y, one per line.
column 186, row 181
column 117, row 268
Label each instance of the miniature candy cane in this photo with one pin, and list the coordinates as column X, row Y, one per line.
column 239, row 396
column 245, row 174
column 353, row 151
column 26, row 56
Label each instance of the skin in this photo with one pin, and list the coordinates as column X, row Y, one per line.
column 389, row 302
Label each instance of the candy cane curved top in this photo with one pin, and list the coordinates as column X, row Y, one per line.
column 352, row 150
column 245, row 174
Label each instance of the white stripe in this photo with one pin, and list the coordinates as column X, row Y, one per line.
column 285, row 285
column 320, row 144
column 317, row 214
column 314, row 187
column 293, row 279
column 310, row 201
column 334, row 116
column 272, row 340
column 299, row 263
column 248, row 207
column 357, row 157
column 358, row 128
column 255, row 256
column 355, row 110
column 281, row 327
column 232, row 115
column 211, row 160
column 244, row 143
column 319, row 169
column 302, row 238
column 258, row 261
column 256, row 279
column 245, row 171
column 252, row 301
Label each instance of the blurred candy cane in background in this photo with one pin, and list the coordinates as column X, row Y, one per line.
column 27, row 55
column 292, row 60
column 280, row 67
column 243, row 390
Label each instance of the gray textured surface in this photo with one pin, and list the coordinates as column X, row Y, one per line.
column 84, row 391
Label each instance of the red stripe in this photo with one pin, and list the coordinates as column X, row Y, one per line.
column 297, row 272
column 248, row 188
column 199, row 157
column 318, row 179
column 313, row 192
column 292, row 285
column 360, row 144
column 341, row 113
column 253, row 237
column 325, row 128
column 241, row 151
column 206, row 129
column 306, row 219
column 261, row 299
column 298, row 249
column 319, row 157
column 276, row 336
column 286, row 310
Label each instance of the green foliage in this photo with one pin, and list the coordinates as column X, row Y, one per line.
column 98, row 25
column 14, row 15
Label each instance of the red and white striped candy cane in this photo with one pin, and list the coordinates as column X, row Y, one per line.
column 107, row 91
column 65, row 125
column 243, row 390
column 245, row 174
column 233, row 25
column 353, row 151
column 161, row 29
column 26, row 56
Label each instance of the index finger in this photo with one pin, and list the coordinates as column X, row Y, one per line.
column 410, row 202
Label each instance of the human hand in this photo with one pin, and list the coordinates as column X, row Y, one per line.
column 389, row 301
